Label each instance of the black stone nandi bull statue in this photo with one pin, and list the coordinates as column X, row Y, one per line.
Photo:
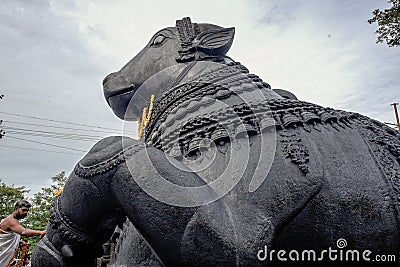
column 227, row 172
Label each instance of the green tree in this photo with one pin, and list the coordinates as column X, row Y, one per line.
column 41, row 202
column 388, row 24
column 9, row 194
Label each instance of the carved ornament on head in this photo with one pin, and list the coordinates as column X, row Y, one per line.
column 197, row 45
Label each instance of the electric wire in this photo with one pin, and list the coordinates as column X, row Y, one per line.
column 60, row 127
column 45, row 131
column 43, row 143
column 16, row 129
column 58, row 121
column 43, row 150
column 53, row 136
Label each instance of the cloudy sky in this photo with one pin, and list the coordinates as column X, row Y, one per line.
column 55, row 53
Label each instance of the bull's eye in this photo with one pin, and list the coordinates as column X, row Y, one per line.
column 158, row 40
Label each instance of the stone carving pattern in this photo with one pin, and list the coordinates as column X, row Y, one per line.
column 286, row 113
column 207, row 84
column 386, row 149
column 68, row 230
column 295, row 150
column 109, row 164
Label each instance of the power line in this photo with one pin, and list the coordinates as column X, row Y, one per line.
column 59, row 127
column 58, row 121
column 13, row 137
column 43, row 150
column 93, row 137
column 73, row 138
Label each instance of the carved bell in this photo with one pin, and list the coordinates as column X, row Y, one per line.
column 245, row 129
column 194, row 145
column 267, row 123
column 309, row 117
column 219, row 133
column 291, row 119
column 326, row 116
column 176, row 151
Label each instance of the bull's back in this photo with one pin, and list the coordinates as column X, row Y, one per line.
column 359, row 198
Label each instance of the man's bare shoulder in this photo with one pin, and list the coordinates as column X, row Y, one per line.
column 8, row 223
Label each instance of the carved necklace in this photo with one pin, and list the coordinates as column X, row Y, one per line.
column 147, row 111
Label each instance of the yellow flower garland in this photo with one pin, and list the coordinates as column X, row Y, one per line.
column 145, row 120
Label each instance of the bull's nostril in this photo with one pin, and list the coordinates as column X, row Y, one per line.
column 109, row 77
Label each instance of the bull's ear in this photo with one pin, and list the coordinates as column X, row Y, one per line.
column 215, row 42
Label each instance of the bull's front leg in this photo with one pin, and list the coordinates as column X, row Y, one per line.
column 102, row 191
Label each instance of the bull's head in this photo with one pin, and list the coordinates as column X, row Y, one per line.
column 169, row 51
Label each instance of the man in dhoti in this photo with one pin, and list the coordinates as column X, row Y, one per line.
column 11, row 231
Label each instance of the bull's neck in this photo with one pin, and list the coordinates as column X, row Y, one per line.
column 195, row 69
column 210, row 80
column 211, row 71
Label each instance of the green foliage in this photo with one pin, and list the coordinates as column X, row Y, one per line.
column 388, row 24
column 40, row 211
column 9, row 194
